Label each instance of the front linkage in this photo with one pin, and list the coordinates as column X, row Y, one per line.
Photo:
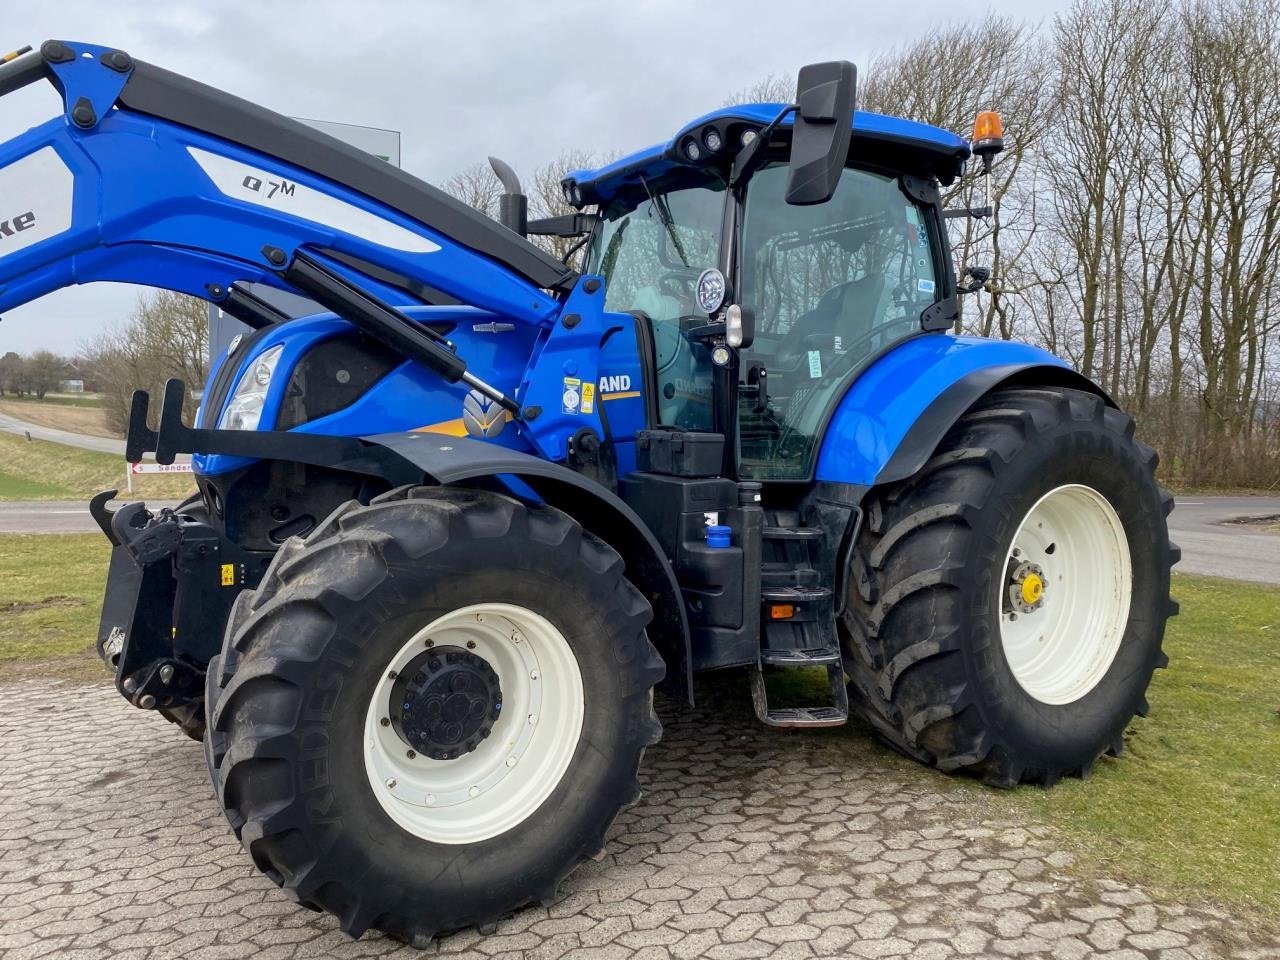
column 170, row 586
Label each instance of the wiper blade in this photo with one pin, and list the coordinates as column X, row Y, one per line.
column 664, row 214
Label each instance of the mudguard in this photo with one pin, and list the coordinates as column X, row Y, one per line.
column 894, row 415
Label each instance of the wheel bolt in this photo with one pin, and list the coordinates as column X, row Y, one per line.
column 410, row 754
column 473, row 792
column 1013, row 616
column 511, row 761
column 385, row 721
column 391, row 783
column 471, row 644
column 429, row 644
column 392, row 675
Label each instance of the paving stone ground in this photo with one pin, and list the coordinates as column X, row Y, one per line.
column 748, row 843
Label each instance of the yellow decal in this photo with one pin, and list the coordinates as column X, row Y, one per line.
column 625, row 395
column 228, row 574
column 450, row 428
column 588, row 397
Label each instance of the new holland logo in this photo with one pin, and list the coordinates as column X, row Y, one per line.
column 482, row 416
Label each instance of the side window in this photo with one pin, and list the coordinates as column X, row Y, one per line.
column 832, row 285
column 651, row 255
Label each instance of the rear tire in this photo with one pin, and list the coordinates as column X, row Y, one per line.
column 298, row 751
column 954, row 655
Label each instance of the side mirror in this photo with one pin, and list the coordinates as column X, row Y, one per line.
column 825, row 99
column 973, row 279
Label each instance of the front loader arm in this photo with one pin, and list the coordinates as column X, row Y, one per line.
column 154, row 179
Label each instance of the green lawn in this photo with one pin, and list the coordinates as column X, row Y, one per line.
column 39, row 470
column 1193, row 806
column 63, row 399
column 50, row 593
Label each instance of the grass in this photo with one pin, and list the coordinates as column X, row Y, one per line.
column 61, row 399
column 50, row 594
column 39, row 470
column 1192, row 809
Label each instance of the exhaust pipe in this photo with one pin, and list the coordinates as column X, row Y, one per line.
column 513, row 205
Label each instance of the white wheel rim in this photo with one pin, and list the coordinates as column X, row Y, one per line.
column 502, row 782
column 1061, row 647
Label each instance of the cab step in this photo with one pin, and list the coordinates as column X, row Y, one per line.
column 820, row 657
column 834, row 714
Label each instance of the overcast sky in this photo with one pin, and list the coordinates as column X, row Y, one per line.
column 462, row 80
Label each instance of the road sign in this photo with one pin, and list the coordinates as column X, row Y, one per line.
column 137, row 469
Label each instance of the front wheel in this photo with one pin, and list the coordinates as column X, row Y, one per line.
column 432, row 709
column 1008, row 606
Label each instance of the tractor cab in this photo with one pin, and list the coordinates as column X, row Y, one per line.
column 715, row 253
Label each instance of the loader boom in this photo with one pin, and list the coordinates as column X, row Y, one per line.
column 153, row 178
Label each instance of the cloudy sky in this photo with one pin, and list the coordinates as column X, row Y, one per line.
column 461, row 80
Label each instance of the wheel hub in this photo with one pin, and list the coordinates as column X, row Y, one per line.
column 1026, row 587
column 445, row 702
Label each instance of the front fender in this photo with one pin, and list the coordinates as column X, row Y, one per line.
column 893, row 416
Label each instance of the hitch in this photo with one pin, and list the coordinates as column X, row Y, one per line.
column 170, row 587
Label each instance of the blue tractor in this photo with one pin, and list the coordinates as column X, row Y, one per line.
column 455, row 527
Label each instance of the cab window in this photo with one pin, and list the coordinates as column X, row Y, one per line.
column 651, row 254
column 832, row 285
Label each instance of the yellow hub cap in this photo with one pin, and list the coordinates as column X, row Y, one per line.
column 1032, row 589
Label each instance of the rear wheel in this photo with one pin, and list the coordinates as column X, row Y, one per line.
column 432, row 709
column 1008, row 602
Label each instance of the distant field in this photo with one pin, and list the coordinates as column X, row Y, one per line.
column 39, row 470
column 77, row 415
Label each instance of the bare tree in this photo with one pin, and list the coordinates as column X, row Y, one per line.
column 166, row 336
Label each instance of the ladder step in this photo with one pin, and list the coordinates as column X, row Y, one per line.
column 827, row 715
column 806, row 717
column 795, row 595
column 792, row 533
column 820, row 657
column 775, row 574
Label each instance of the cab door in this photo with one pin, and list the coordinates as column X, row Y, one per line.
column 832, row 285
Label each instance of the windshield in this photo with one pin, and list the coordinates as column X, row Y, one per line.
column 651, row 253
column 832, row 285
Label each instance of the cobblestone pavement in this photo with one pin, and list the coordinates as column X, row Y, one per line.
column 748, row 843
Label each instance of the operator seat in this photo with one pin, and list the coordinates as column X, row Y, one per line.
column 848, row 311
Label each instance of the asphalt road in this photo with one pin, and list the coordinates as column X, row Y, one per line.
column 1222, row 549
column 100, row 444
column 54, row 516
column 1210, row 546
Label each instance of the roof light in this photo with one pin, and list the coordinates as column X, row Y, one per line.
column 988, row 133
column 747, row 136
column 692, row 150
column 711, row 139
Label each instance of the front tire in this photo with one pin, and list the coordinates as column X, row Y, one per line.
column 341, row 758
column 1008, row 602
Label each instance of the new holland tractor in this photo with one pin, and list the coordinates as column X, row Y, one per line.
column 456, row 525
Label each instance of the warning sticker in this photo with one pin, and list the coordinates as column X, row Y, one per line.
column 815, row 364
column 571, row 399
column 228, row 574
column 588, row 397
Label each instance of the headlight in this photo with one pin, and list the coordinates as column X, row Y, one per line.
column 711, row 139
column 250, row 395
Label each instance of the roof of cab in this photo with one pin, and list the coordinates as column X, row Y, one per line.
column 914, row 147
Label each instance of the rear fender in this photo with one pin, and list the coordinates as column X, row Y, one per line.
column 895, row 414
